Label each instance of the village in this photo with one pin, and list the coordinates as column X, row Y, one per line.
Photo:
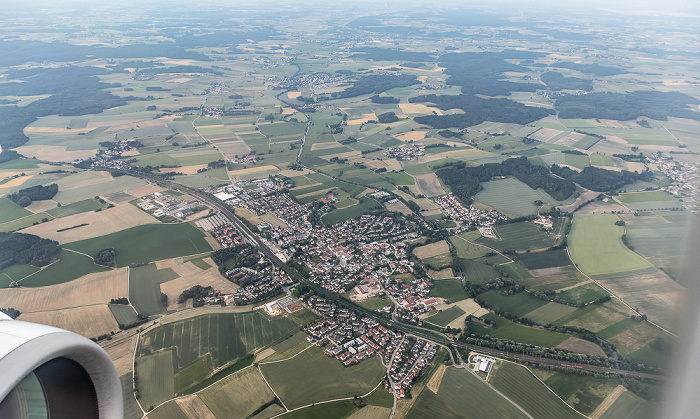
column 470, row 216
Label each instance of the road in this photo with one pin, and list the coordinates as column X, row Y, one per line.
column 419, row 331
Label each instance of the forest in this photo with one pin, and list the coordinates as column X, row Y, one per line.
column 480, row 73
column 24, row 197
column 73, row 90
column 624, row 107
column 557, row 81
column 384, row 100
column 477, row 110
column 376, row 84
column 22, row 249
column 601, row 180
column 465, row 181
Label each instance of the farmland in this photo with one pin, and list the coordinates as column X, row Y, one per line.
column 445, row 317
column 238, row 395
column 517, row 304
column 70, row 266
column 89, row 321
column 325, row 378
column 526, row 390
column 147, row 243
column 451, row 290
column 156, row 369
column 595, row 244
column 521, row 236
column 513, row 197
column 505, row 329
column 450, row 400
column 582, row 392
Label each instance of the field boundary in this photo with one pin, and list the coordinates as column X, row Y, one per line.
column 617, row 297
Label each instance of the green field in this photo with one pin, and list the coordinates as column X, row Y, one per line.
column 549, row 313
column 584, row 294
column 517, row 304
column 595, row 244
column 584, row 393
column 515, row 271
column 144, row 288
column 15, row 273
column 629, row 406
column 238, row 395
column 340, row 215
column 169, row 410
column 375, row 303
column 521, row 236
column 75, row 208
column 147, row 243
column 660, row 239
column 70, row 266
column 24, row 222
column 10, row 211
column 649, row 201
column 505, row 329
column 191, row 375
column 547, row 259
column 123, row 314
column 467, row 250
column 438, row 262
column 118, row 184
column 512, row 196
column 451, row 290
column 446, row 316
column 220, row 338
column 478, row 272
column 156, row 371
column 400, row 178
column 528, row 392
column 131, row 408
column 462, row 395
column 324, row 378
column 341, row 409
column 282, row 129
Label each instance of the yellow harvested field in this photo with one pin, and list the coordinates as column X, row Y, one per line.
column 251, row 170
column 54, row 153
column 53, row 130
column 469, row 306
column 130, row 153
column 121, row 350
column 411, row 136
column 264, row 354
column 94, row 288
column 635, row 166
column 209, row 278
column 432, row 249
column 609, row 400
column 188, row 170
column 41, row 206
column 293, row 95
column 398, row 206
column 314, row 193
column 365, row 117
column 446, row 273
column 14, row 182
column 323, row 146
column 581, row 346
column 245, row 213
column 429, row 184
column 98, row 224
column 179, row 80
column 296, row 188
column 193, row 407
column 371, row 412
column 418, row 109
column 434, row 383
column 288, row 111
column 457, row 154
column 168, row 263
column 89, row 321
column 145, row 190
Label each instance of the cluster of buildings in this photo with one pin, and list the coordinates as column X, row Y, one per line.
column 683, row 175
column 258, row 286
column 411, row 359
column 160, row 205
column 348, row 337
column 227, row 235
column 406, row 152
column 243, row 193
column 470, row 216
column 545, row 222
column 411, row 297
column 247, row 159
column 314, row 81
column 111, row 158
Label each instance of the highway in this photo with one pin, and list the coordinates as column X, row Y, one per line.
column 424, row 333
